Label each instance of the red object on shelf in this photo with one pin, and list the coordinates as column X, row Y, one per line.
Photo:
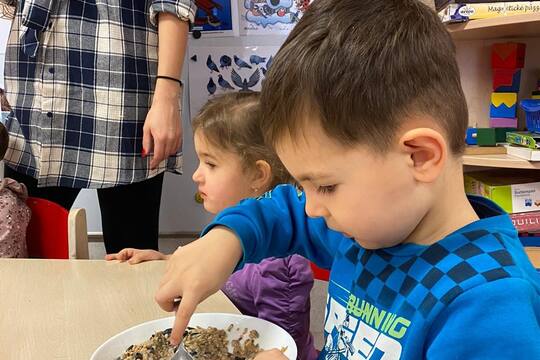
column 528, row 222
column 47, row 232
column 506, row 80
column 319, row 273
column 508, row 56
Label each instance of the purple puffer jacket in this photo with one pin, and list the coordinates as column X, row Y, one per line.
column 14, row 219
column 277, row 290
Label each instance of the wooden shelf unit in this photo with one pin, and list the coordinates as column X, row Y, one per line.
column 522, row 26
column 499, row 161
column 534, row 256
column 474, row 35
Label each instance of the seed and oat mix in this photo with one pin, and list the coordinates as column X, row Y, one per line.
column 202, row 343
column 157, row 347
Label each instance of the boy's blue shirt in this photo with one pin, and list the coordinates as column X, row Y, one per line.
column 472, row 295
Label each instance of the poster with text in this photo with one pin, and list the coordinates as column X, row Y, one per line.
column 270, row 16
column 216, row 70
column 216, row 18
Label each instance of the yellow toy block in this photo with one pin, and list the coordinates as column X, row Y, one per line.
column 508, row 99
column 503, row 105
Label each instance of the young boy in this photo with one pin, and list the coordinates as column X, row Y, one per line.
column 365, row 109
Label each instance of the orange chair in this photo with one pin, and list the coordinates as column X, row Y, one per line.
column 54, row 232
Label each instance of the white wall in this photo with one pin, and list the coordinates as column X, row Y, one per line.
column 4, row 31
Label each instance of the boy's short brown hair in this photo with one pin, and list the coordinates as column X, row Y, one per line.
column 230, row 121
column 362, row 67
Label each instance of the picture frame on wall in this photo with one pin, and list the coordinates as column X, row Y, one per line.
column 215, row 18
column 266, row 17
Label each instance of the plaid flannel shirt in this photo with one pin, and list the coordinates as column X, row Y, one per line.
column 80, row 75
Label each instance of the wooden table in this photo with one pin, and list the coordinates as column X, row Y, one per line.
column 65, row 309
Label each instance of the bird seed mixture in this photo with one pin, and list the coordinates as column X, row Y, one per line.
column 202, row 343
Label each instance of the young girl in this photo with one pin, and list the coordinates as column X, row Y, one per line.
column 234, row 164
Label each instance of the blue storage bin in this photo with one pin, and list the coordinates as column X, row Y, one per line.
column 532, row 113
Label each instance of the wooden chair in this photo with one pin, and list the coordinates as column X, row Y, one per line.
column 54, row 232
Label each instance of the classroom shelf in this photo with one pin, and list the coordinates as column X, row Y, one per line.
column 500, row 161
column 534, row 255
column 522, row 26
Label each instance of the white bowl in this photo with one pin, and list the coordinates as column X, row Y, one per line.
column 270, row 335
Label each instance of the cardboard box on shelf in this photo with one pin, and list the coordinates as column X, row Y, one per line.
column 516, row 191
column 522, row 152
column 526, row 222
column 461, row 11
column 524, row 139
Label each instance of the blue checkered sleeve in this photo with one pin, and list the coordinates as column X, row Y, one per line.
column 183, row 9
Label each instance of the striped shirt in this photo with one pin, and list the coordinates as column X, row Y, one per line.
column 80, row 96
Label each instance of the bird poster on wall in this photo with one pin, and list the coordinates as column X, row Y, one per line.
column 270, row 16
column 215, row 70
column 216, row 18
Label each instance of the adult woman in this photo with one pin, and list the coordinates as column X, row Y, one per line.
column 93, row 107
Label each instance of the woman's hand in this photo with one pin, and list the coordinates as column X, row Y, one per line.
column 162, row 131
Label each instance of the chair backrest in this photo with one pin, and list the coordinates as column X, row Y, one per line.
column 319, row 273
column 54, row 232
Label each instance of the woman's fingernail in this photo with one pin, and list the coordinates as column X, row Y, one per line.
column 143, row 152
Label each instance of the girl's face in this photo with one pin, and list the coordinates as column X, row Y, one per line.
column 221, row 179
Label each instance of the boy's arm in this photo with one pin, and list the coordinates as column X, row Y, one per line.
column 277, row 225
column 196, row 271
column 498, row 320
column 274, row 225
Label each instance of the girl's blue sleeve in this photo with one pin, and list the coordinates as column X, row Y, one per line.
column 276, row 225
column 498, row 320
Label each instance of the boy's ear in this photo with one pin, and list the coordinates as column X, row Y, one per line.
column 263, row 176
column 427, row 153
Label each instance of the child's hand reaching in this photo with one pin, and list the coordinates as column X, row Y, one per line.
column 135, row 256
column 196, row 271
column 273, row 354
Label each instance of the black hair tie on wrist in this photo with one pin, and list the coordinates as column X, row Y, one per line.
column 170, row 78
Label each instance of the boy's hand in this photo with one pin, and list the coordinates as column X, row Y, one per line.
column 196, row 271
column 135, row 256
column 273, row 354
